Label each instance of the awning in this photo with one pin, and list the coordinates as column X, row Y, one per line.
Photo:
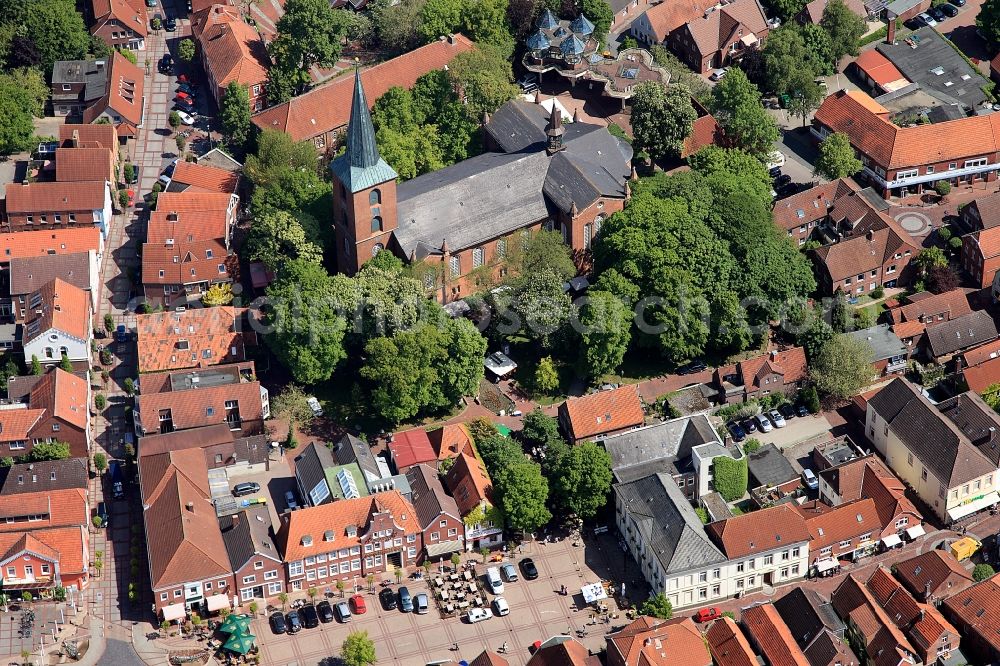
column 174, row 612
column 217, row 602
column 915, row 531
column 892, row 540
column 977, row 504
column 826, row 565
column 593, row 592
column 444, row 548
column 749, row 40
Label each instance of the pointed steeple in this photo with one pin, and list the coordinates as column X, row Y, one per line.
column 360, row 132
column 554, row 132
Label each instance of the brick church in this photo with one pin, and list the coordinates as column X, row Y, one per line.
column 460, row 221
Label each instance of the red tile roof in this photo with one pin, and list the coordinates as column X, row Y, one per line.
column 194, row 408
column 328, row 107
column 985, row 242
column 60, row 508
column 187, row 226
column 50, row 241
column 51, row 197
column 952, row 304
column 66, row 546
column 81, row 164
column 759, row 531
column 705, row 132
column 908, row 329
column 714, row 31
column 125, row 93
column 195, row 338
column 772, row 636
column 648, row 641
column 923, row 623
column 854, row 602
column 846, row 522
column 668, row 16
column 16, row 424
column 231, row 49
column 867, row 250
column 867, row 124
column 337, row 516
column 879, row 68
column 90, row 136
column 728, row 645
column 978, row 609
column 789, row 363
column 936, row 571
column 204, row 178
column 450, row 440
column 980, row 377
column 131, row 15
column 469, row 483
column 603, row 411
column 188, row 263
column 63, row 395
column 982, row 353
column 411, row 447
column 63, row 307
column 810, row 205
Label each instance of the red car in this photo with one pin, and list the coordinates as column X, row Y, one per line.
column 706, row 614
column 358, row 604
column 183, row 96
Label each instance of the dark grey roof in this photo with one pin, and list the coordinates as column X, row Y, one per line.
column 361, row 166
column 928, row 59
column 217, row 157
column 43, row 476
column 428, row 496
column 934, row 439
column 349, row 449
column 247, row 534
column 977, row 421
column 29, row 274
column 874, row 199
column 807, row 615
column 310, row 465
column 254, row 449
column 92, row 73
column 969, row 330
column 18, row 388
column 945, row 112
column 516, row 126
column 667, row 523
column 884, row 343
column 768, row 467
column 657, row 448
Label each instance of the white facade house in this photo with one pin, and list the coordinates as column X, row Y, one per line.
column 929, row 447
column 679, row 559
column 57, row 323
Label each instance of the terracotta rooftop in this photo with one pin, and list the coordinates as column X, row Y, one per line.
column 50, row 241
column 772, row 636
column 810, row 205
column 927, row 307
column 935, row 572
column 198, row 407
column 187, row 263
column 980, row 377
column 203, row 178
column 52, row 197
column 469, row 483
column 90, row 136
column 66, row 546
column 187, row 226
column 125, row 93
column 666, row 17
column 789, row 363
column 653, row 642
column 328, row 107
column 450, row 440
column 195, row 338
column 717, row 30
column 58, row 508
column 129, row 14
column 231, row 48
column 728, row 645
column 603, row 411
column 880, row 69
column 759, row 531
column 79, row 164
column 61, row 306
column 977, row 609
column 981, row 354
column 63, row 395
column 831, row 525
column 411, row 447
column 866, row 251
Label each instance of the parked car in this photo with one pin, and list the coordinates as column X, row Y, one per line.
column 343, row 611
column 310, row 618
column 166, row 64
column 801, row 409
column 948, row 9
column 509, row 572
column 170, row 24
column 150, row 3
column 314, row 405
column 787, row 411
column 246, row 488
column 493, row 580
column 775, row 159
column 294, row 622
column 325, row 611
column 810, row 479
column 121, row 333
column 717, row 74
column 116, row 479
column 763, row 423
column 185, row 117
column 691, row 368
column 776, row 418
column 190, row 87
column 957, row 3
column 358, row 604
column 736, row 431
column 706, row 614
column 926, row 19
column 183, row 96
column 782, row 180
column 290, row 500
column 388, row 598
column 501, row 607
column 937, row 14
column 183, row 106
column 528, row 568
column 278, row 624
column 102, row 513
column 420, row 605
column 405, row 600
column 774, row 172
column 750, row 425
column 478, row 615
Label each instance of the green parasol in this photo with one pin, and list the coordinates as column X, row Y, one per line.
column 234, row 623
column 239, row 644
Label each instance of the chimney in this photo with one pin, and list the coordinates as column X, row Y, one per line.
column 451, row 38
column 927, row 591
column 870, row 235
column 890, row 34
column 774, row 354
column 189, row 506
column 74, row 142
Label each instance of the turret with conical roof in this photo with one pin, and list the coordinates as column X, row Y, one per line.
column 361, row 166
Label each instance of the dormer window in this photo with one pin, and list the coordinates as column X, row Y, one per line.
column 307, row 540
column 328, row 535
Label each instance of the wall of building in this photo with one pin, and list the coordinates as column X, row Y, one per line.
column 260, row 578
column 193, row 592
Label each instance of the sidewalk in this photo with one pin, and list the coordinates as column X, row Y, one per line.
column 97, row 644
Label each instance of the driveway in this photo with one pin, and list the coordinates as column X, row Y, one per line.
column 796, row 431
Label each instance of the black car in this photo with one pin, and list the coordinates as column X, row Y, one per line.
column 937, row 14
column 248, row 487
column 310, row 618
column 388, row 598
column 102, row 513
column 948, row 9
column 737, row 431
column 957, row 3
column 170, row 24
column 750, row 426
column 801, row 410
column 325, row 611
column 788, row 190
column 787, row 411
column 529, row 569
column 278, row 624
column 166, row 65
column 774, row 172
column 691, row 368
column 294, row 622
column 782, row 180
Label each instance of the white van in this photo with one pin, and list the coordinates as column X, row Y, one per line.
column 494, row 580
column 775, row 159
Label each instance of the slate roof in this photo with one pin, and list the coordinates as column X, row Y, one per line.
column 759, row 531
column 932, row 438
column 977, row 421
column 349, row 449
column 948, row 337
column 311, row 465
column 428, row 496
column 882, row 340
column 46, row 476
column 246, row 534
column 659, row 447
column 769, row 467
column 667, row 523
column 88, row 72
column 807, row 615
column 28, row 274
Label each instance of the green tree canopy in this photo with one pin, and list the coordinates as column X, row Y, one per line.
column 607, row 322
column 53, row 29
column 746, row 124
column 186, row 50
column 275, row 237
column 662, row 118
column 836, row 157
column 599, row 13
column 522, row 493
column 17, row 128
column 988, row 21
column 844, row 27
column 276, row 154
column 310, row 32
column 49, row 451
column 485, row 76
column 657, row 606
column 730, row 477
column 31, row 81
column 582, row 480
column 234, row 112
column 358, row 649
column 844, row 367
column 981, row 572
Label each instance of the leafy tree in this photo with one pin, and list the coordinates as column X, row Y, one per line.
column 836, row 157
column 805, row 95
column 941, row 279
column 843, row 367
column 65, row 363
column 582, row 480
column 310, row 32
column 546, row 380
column 234, row 112
column 276, row 236
column 36, row 365
column 174, row 119
column 607, row 333
column 538, row 430
column 49, row 451
column 10, row 368
column 746, row 124
column 844, row 27
column 730, row 477
column 56, row 32
column 308, row 335
column 17, row 128
column 358, row 649
column 751, row 445
column 818, row 44
column 546, row 250
column 411, row 153
column 100, row 402
column 840, row 314
column 930, row 257
column 100, row 462
column 681, row 73
column 394, row 24
column 277, row 154
column 988, row 21
column 600, row 14
column 981, row 572
column 785, row 57
column 186, row 50
column 218, row 294
column 522, row 493
column 943, row 188
column 440, row 17
column 662, row 117
column 540, row 307
column 128, row 54
column 485, row 76
column 31, row 81
column 657, row 606
column 810, row 398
